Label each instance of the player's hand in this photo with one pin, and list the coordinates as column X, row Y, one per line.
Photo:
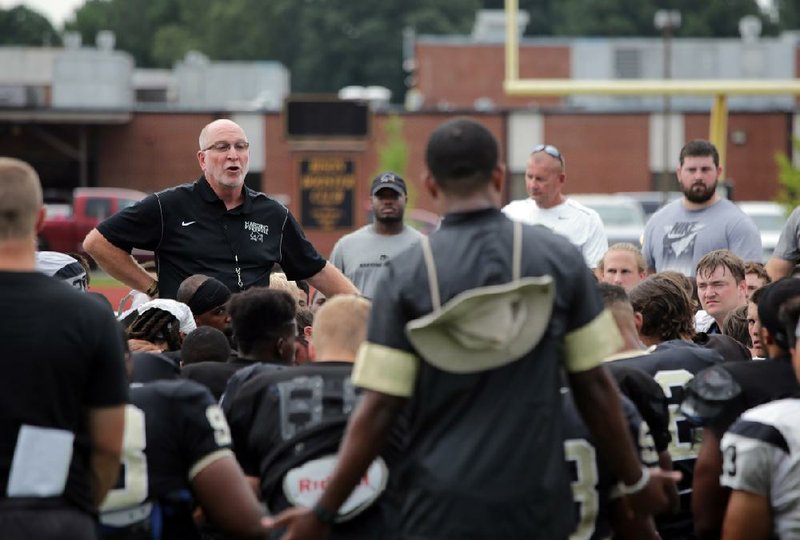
column 654, row 498
column 141, row 345
column 300, row 524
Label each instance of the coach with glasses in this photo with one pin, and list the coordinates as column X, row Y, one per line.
column 215, row 226
column 544, row 179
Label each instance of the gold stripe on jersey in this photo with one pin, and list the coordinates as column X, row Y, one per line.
column 204, row 462
column 587, row 346
column 635, row 353
column 386, row 370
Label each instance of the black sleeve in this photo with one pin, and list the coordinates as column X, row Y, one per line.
column 649, row 399
column 140, row 225
column 204, row 430
column 241, row 412
column 108, row 380
column 299, row 259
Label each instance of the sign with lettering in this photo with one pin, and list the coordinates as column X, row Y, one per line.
column 327, row 192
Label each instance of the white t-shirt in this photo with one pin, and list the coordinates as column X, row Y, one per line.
column 581, row 225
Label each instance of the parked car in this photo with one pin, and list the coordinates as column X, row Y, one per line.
column 650, row 201
column 770, row 218
column 66, row 225
column 623, row 217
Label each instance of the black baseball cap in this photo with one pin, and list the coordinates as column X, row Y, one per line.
column 389, row 180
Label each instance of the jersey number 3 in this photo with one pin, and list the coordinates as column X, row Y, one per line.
column 133, row 491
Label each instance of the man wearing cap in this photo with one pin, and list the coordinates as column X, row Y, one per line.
column 215, row 226
column 718, row 395
column 544, row 179
column 362, row 254
column 472, row 330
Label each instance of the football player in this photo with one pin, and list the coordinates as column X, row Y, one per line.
column 666, row 324
column 760, row 461
column 177, row 452
column 718, row 395
column 595, row 491
column 287, row 425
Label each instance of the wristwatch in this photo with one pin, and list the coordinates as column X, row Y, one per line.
column 152, row 290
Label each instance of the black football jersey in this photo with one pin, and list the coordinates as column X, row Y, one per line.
column 760, row 382
column 592, row 478
column 275, row 408
column 172, row 430
column 214, row 375
column 285, row 422
column 648, row 397
column 673, row 364
column 241, row 376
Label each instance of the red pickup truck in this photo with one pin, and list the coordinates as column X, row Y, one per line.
column 66, row 226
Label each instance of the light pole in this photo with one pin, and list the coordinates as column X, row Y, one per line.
column 667, row 20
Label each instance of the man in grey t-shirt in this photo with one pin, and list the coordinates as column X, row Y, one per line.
column 787, row 252
column 361, row 254
column 680, row 234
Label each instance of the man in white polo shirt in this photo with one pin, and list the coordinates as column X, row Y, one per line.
column 544, row 179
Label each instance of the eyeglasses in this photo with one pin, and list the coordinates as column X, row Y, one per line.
column 224, row 146
column 548, row 149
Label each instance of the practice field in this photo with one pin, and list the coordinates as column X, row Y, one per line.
column 108, row 287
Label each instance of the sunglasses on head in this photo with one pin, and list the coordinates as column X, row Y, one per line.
column 548, row 149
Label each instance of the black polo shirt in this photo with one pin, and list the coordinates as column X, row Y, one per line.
column 191, row 232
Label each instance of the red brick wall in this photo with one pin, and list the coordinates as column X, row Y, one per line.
column 152, row 152
column 604, row 153
column 282, row 173
column 457, row 75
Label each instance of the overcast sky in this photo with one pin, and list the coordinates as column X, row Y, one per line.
column 55, row 10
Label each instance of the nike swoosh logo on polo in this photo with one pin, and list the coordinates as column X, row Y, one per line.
column 187, row 223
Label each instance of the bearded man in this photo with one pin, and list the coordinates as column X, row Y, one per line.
column 677, row 236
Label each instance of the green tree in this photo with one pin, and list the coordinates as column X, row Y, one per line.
column 393, row 154
column 134, row 23
column 712, row 18
column 326, row 44
column 346, row 42
column 788, row 14
column 789, row 178
column 23, row 26
column 604, row 17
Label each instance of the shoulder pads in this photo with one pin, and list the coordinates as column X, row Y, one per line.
column 707, row 395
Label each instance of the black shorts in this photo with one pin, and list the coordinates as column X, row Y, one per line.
column 45, row 522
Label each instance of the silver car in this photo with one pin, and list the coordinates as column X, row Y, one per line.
column 769, row 218
column 622, row 216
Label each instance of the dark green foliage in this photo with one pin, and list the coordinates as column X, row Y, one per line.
column 22, row 26
column 328, row 44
